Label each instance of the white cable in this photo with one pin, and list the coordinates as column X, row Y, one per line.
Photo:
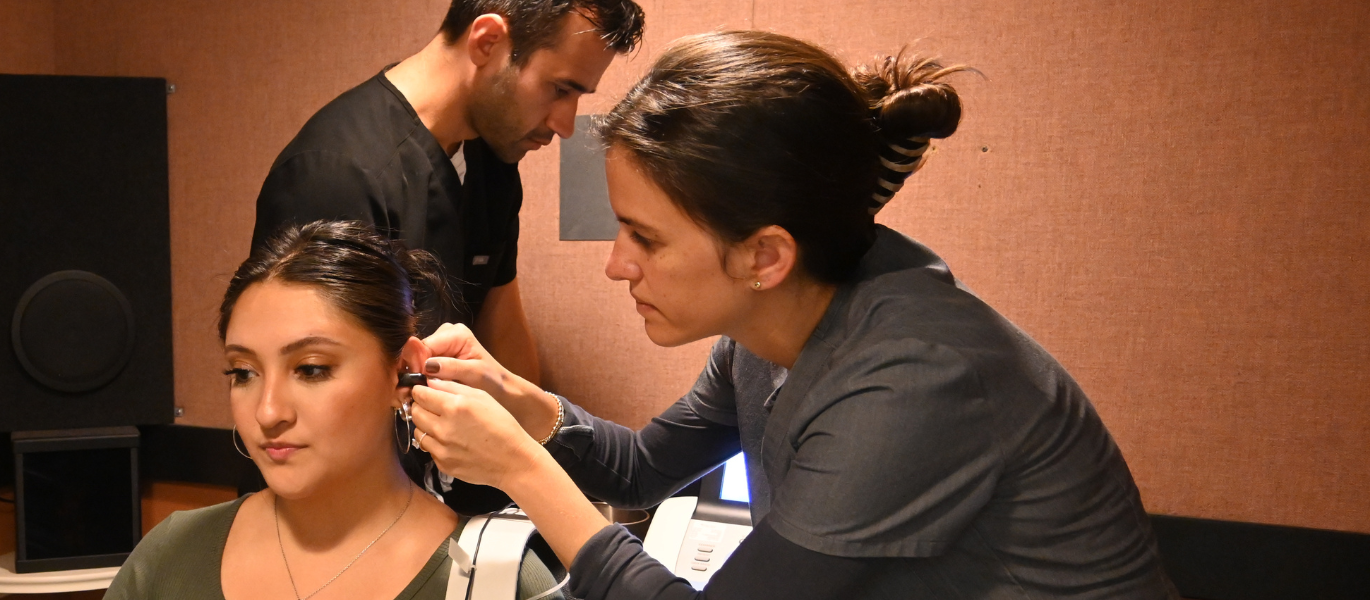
column 564, row 580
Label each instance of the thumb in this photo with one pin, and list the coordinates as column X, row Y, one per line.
column 454, row 340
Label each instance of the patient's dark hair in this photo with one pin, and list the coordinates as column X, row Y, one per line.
column 745, row 129
column 377, row 281
column 534, row 24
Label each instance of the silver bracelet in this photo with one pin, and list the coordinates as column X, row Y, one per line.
column 561, row 418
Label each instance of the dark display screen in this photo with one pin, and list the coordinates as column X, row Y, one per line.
column 78, row 503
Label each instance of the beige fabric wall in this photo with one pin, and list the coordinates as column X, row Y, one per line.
column 248, row 74
column 26, row 36
column 1172, row 200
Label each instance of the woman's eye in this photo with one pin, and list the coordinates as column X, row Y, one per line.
column 314, row 372
column 560, row 92
column 239, row 377
column 641, row 241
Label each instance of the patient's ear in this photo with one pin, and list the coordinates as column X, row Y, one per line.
column 412, row 356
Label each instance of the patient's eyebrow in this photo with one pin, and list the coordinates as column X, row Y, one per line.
column 231, row 348
column 313, row 340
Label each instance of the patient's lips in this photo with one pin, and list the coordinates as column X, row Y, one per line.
column 280, row 451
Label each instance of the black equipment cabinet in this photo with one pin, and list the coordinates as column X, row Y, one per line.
column 85, row 267
column 76, row 498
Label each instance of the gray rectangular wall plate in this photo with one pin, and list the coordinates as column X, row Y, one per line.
column 585, row 211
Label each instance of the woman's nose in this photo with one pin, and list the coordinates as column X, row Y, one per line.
column 273, row 408
column 620, row 267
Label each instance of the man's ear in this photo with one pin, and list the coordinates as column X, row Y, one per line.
column 487, row 40
column 774, row 254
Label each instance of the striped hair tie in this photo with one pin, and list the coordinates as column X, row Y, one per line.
column 898, row 160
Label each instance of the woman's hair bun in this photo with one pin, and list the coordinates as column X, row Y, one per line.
column 908, row 97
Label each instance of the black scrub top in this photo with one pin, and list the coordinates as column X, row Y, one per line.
column 921, row 447
column 367, row 156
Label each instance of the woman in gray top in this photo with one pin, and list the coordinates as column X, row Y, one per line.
column 903, row 439
column 318, row 329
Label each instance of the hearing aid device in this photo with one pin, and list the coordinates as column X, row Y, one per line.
column 410, row 380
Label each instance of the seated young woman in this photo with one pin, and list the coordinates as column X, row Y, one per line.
column 318, row 326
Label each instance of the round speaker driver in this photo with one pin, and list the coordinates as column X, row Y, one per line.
column 73, row 331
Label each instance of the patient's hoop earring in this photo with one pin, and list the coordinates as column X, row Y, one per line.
column 235, row 444
column 402, row 414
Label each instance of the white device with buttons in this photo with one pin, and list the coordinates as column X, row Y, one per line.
column 695, row 536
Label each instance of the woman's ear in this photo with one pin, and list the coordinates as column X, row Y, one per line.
column 774, row 254
column 413, row 354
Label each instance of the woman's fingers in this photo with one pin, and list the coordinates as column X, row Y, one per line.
column 436, row 433
column 455, row 340
column 440, row 404
column 457, row 356
column 475, row 373
column 468, row 434
column 427, row 409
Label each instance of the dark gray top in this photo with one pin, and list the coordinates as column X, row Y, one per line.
column 917, row 423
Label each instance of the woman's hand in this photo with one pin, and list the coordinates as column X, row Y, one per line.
column 459, row 357
column 469, row 435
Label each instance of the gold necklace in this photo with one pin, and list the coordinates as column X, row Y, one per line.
column 277, row 513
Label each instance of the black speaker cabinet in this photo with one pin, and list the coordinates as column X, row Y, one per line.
column 76, row 498
column 85, row 260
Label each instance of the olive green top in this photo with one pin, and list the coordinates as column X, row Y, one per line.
column 181, row 558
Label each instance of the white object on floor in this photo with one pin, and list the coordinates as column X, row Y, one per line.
column 52, row 582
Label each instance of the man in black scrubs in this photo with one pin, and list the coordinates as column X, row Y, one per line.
column 427, row 150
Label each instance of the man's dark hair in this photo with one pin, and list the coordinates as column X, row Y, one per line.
column 533, row 24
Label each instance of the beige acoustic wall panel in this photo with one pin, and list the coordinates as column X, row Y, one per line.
column 247, row 74
column 1172, row 199
column 26, row 37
